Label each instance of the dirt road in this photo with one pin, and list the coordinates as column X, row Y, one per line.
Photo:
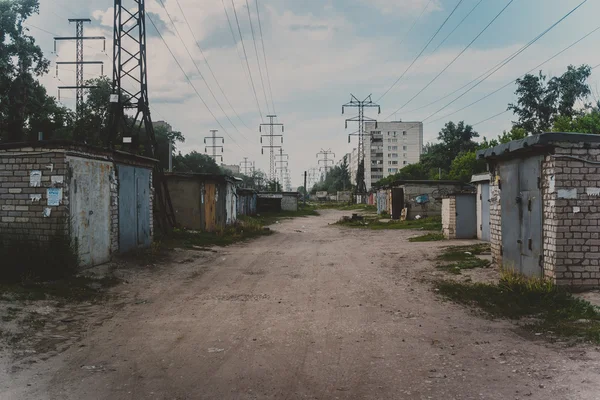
column 313, row 312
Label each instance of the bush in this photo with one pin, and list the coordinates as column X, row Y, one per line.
column 26, row 258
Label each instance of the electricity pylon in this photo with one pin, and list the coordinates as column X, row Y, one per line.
column 325, row 160
column 213, row 137
column 271, row 135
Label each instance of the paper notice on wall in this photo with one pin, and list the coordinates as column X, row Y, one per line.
column 46, row 213
column 35, row 178
column 54, row 196
column 57, row 180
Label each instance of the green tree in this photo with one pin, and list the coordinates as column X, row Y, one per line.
column 195, row 162
column 541, row 101
column 21, row 62
column 586, row 123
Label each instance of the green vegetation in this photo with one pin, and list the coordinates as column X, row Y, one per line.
column 428, row 237
column 547, row 307
column 69, row 289
column 454, row 259
column 347, row 207
column 428, row 224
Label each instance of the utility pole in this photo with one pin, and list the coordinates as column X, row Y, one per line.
column 305, row 188
column 213, row 136
column 247, row 166
column 281, row 163
column 79, row 62
column 325, row 160
column 271, row 147
column 361, row 119
column 130, row 66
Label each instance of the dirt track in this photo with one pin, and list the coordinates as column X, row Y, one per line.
column 313, row 312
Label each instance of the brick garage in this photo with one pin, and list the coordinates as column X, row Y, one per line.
column 545, row 206
column 51, row 187
column 459, row 216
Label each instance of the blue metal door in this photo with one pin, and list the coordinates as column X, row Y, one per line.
column 134, row 207
column 485, row 212
column 142, row 183
column 127, row 208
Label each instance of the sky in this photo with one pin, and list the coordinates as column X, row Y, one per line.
column 318, row 53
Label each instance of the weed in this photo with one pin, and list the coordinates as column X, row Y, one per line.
column 428, row 237
column 348, row 207
column 454, row 259
column 427, row 224
column 552, row 308
column 70, row 289
column 269, row 218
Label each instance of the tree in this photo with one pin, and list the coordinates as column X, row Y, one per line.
column 195, row 162
column 586, row 123
column 21, row 62
column 540, row 102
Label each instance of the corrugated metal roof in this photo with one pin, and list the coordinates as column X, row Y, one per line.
column 536, row 142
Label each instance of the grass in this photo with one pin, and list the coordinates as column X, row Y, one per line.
column 547, row 307
column 270, row 218
column 454, row 259
column 347, row 207
column 428, row 237
column 427, row 224
column 76, row 288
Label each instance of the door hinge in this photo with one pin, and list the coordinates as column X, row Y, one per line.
column 501, row 250
column 480, row 197
column 541, row 260
column 530, row 244
column 539, row 182
column 499, row 184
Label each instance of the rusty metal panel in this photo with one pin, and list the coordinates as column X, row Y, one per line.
column 210, row 204
column 89, row 205
column 531, row 216
column 511, row 225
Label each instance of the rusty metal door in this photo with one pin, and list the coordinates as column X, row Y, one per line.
column 511, row 225
column 210, row 212
column 530, row 205
column 89, row 203
column 521, row 208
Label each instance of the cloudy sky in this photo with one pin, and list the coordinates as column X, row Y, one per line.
column 318, row 53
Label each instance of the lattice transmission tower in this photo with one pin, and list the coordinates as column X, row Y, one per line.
column 271, row 135
column 130, row 109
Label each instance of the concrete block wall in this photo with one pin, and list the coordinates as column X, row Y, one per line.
column 449, row 217
column 495, row 222
column 21, row 204
column 289, row 203
column 571, row 228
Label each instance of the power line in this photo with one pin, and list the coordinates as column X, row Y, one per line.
column 265, row 56
column 455, row 58
column 413, row 24
column 189, row 80
column 509, row 83
column 419, row 55
column 498, row 65
column 453, row 30
column 247, row 62
column 237, row 50
column 492, row 117
column 208, row 65
column 200, row 72
column 257, row 57
column 513, row 81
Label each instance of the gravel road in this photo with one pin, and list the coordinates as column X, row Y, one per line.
column 312, row 312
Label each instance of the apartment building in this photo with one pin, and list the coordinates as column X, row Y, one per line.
column 392, row 146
